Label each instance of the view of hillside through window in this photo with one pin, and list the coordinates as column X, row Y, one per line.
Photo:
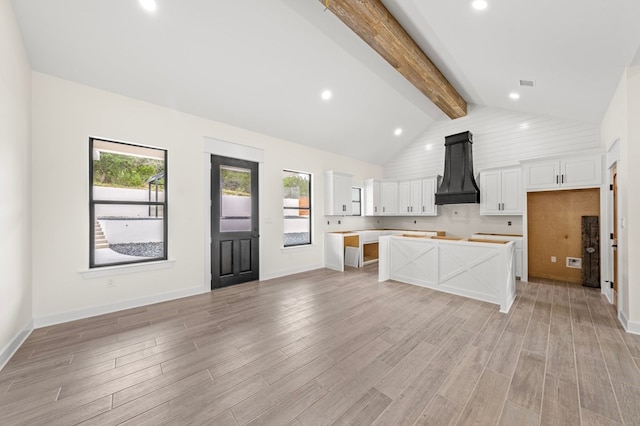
column 297, row 208
column 128, row 203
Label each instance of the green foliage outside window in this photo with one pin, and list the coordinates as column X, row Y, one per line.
column 125, row 171
column 296, row 185
column 235, row 182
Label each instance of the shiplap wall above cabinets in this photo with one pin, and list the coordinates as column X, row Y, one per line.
column 500, row 138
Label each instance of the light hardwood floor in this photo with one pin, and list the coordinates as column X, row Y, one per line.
column 333, row 348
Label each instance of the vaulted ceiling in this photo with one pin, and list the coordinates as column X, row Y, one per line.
column 262, row 64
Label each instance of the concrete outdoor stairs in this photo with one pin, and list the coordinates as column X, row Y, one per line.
column 101, row 240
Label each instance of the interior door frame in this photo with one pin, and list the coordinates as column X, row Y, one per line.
column 241, row 152
column 612, row 160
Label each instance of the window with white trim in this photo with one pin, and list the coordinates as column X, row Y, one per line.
column 127, row 203
column 297, row 208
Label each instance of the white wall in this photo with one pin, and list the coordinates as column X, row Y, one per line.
column 65, row 114
column 500, row 138
column 614, row 128
column 621, row 123
column 630, row 151
column 15, row 191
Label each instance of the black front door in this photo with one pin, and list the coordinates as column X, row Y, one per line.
column 234, row 221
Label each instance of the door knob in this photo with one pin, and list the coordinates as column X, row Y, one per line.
column 591, row 250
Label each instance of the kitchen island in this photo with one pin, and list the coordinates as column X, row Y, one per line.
column 476, row 268
column 366, row 243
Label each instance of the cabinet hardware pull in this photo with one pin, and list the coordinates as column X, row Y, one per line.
column 557, row 180
column 563, row 178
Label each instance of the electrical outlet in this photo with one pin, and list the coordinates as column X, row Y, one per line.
column 553, row 259
column 415, row 221
column 509, row 223
column 339, row 222
column 111, row 282
column 328, row 223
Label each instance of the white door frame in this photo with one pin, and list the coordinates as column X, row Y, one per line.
column 233, row 150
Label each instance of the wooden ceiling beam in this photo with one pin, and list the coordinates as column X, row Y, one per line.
column 371, row 20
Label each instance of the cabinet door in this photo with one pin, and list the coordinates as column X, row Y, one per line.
column 511, row 193
column 416, row 197
column 581, row 172
column 542, row 175
column 372, row 197
column 404, row 198
column 389, row 197
column 342, row 194
column 428, row 199
column 490, row 192
column 337, row 193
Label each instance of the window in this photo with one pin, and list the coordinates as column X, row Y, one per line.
column 356, row 201
column 127, row 203
column 297, row 208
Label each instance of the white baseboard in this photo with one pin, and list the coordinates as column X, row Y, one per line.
column 291, row 271
column 629, row 326
column 114, row 307
column 15, row 343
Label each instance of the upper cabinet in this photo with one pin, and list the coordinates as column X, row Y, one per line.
column 414, row 197
column 417, row 197
column 501, row 191
column 337, row 191
column 565, row 173
column 409, row 197
column 381, row 197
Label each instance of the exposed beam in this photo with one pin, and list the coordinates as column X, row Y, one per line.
column 371, row 20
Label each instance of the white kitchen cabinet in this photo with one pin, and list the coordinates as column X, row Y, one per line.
column 565, row 173
column 409, row 197
column 389, row 197
column 337, row 190
column 507, row 237
column 428, row 200
column 417, row 197
column 501, row 191
column 381, row 197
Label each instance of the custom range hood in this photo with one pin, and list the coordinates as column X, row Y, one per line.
column 458, row 184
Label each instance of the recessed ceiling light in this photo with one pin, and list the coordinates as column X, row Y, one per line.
column 479, row 4
column 149, row 5
column 397, row 131
column 326, row 95
column 514, row 95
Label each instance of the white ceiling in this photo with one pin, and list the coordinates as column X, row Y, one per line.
column 262, row 64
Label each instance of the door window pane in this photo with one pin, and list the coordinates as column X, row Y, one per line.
column 235, row 202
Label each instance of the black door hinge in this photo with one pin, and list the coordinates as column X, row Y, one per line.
column 611, row 236
column 611, row 187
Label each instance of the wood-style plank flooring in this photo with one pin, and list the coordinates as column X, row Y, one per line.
column 333, row 348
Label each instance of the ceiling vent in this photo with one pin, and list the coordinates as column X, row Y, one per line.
column 527, row 83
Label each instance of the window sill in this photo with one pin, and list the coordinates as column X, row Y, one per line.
column 109, row 271
column 303, row 246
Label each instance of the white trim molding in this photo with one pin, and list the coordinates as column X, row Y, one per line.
column 212, row 146
column 12, row 347
column 110, row 271
column 632, row 327
column 113, row 307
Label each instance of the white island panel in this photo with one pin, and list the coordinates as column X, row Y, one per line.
column 480, row 270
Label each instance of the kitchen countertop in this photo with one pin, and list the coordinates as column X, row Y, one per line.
column 498, row 235
column 440, row 233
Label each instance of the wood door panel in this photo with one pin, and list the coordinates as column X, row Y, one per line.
column 245, row 255
column 226, row 258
